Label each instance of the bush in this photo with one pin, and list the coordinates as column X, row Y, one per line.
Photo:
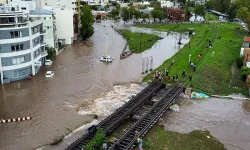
column 244, row 72
column 97, row 142
column 239, row 61
column 51, row 52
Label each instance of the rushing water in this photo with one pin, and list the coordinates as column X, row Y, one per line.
column 225, row 119
column 79, row 77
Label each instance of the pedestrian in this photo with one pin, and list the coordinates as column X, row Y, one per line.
column 177, row 77
column 191, row 64
column 183, row 73
column 166, row 72
column 190, row 77
column 172, row 63
column 199, row 56
column 140, row 144
column 168, row 78
column 194, row 68
column 173, row 77
column 104, row 146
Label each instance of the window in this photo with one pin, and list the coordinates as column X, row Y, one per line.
column 44, row 18
column 47, row 27
column 17, row 47
column 23, row 8
column 50, row 26
column 49, row 17
column 72, row 2
column 15, row 34
column 45, row 3
column 13, row 48
column 15, row 74
column 16, row 61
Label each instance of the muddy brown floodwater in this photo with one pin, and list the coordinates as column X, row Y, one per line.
column 79, row 75
column 225, row 119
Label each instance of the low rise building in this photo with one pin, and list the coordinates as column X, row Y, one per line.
column 49, row 25
column 22, row 46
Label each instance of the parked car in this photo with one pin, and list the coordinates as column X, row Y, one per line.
column 49, row 74
column 48, row 62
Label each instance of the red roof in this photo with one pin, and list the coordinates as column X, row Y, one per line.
column 247, row 39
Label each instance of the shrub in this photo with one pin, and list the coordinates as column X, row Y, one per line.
column 97, row 142
column 51, row 52
column 239, row 61
column 244, row 72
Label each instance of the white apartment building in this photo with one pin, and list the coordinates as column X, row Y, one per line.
column 22, row 46
column 49, row 25
column 59, row 4
column 23, row 5
column 3, row 1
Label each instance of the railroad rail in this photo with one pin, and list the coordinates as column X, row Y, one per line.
column 143, row 125
column 110, row 123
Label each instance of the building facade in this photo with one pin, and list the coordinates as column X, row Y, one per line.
column 22, row 46
column 49, row 26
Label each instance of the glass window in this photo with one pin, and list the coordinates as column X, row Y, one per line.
column 18, row 60
column 13, row 48
column 14, row 61
column 15, row 74
column 22, row 59
column 72, row 2
column 44, row 18
column 16, row 34
column 47, row 27
column 21, row 46
column 17, row 47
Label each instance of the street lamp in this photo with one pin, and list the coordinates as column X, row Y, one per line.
column 189, row 58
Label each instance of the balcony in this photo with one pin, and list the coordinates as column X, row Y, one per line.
column 42, row 43
column 42, row 32
column 44, row 54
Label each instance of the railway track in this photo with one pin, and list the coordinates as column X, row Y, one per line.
column 143, row 125
column 110, row 123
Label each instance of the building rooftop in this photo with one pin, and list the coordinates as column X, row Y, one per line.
column 247, row 39
column 41, row 12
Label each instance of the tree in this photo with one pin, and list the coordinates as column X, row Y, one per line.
column 51, row 52
column 199, row 10
column 86, row 20
column 125, row 14
column 154, row 14
column 114, row 14
column 137, row 14
column 232, row 11
column 145, row 16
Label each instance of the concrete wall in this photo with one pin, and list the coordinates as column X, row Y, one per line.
column 18, row 74
column 6, row 48
column 7, row 61
column 64, row 24
column 62, row 4
column 5, row 34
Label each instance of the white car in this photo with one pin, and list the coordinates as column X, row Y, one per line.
column 48, row 62
column 49, row 74
column 106, row 59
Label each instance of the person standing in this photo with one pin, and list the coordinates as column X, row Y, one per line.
column 166, row 72
column 172, row 63
column 173, row 77
column 190, row 77
column 183, row 73
column 168, row 78
column 176, row 77
column 140, row 144
column 194, row 67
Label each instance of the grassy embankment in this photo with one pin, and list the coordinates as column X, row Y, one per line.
column 211, row 17
column 213, row 74
column 133, row 38
column 158, row 139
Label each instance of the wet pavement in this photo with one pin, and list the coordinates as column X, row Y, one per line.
column 225, row 119
column 79, row 77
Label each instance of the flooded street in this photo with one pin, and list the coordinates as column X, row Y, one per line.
column 79, row 77
column 226, row 120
